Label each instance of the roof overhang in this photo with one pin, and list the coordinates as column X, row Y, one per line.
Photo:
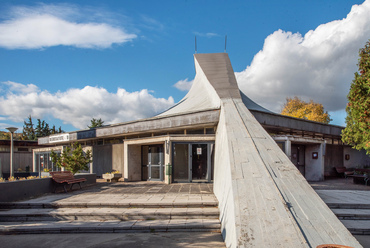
column 281, row 124
column 155, row 124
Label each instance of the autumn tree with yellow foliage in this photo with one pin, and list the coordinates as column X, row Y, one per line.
column 295, row 107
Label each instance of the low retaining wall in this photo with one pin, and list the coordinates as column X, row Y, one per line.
column 25, row 189
column 91, row 178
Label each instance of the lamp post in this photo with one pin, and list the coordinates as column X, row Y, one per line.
column 11, row 130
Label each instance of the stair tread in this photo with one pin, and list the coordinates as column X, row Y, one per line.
column 109, row 226
column 357, row 224
column 343, row 211
column 143, row 204
column 110, row 211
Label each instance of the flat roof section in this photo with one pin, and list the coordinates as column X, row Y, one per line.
column 161, row 123
column 282, row 124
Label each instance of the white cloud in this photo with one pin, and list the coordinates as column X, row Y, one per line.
column 17, row 87
column 319, row 65
column 78, row 106
column 53, row 25
column 183, row 85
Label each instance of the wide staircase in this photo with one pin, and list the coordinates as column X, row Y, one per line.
column 111, row 212
column 352, row 207
column 356, row 217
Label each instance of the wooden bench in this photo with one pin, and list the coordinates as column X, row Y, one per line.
column 344, row 171
column 64, row 178
column 360, row 179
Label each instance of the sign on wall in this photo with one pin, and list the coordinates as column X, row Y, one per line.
column 59, row 138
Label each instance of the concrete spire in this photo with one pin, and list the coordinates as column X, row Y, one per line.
column 263, row 199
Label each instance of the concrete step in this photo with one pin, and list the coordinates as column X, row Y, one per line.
column 348, row 206
column 137, row 204
column 357, row 227
column 173, row 225
column 352, row 214
column 103, row 214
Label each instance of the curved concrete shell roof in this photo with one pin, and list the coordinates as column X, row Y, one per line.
column 214, row 80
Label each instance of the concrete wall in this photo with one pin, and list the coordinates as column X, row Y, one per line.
column 90, row 179
column 117, row 157
column 21, row 160
column 223, row 184
column 358, row 159
column 333, row 158
column 20, row 190
column 102, row 159
column 25, row 189
column 132, row 170
column 314, row 168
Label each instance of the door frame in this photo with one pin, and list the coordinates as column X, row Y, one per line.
column 190, row 162
column 300, row 157
column 149, row 165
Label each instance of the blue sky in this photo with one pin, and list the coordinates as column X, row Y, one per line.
column 69, row 61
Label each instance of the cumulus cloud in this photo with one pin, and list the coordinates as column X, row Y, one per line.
column 53, row 25
column 17, row 87
column 318, row 66
column 183, row 85
column 78, row 106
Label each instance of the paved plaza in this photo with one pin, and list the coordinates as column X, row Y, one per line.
column 139, row 214
column 186, row 204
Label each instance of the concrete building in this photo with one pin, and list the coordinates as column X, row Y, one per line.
column 23, row 160
column 216, row 133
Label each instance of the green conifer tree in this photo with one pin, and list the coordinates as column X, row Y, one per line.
column 28, row 130
column 73, row 158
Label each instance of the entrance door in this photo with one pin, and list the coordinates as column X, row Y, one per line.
column 199, row 162
column 192, row 162
column 152, row 158
column 181, row 163
column 298, row 157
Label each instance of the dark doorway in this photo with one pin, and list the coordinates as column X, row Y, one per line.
column 199, row 162
column 298, row 157
column 192, row 162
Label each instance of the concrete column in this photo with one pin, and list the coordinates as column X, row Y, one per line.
column 167, row 159
column 288, row 148
column 34, row 161
column 91, row 165
column 125, row 162
column 314, row 165
column 322, row 160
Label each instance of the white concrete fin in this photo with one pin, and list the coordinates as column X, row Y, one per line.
column 264, row 201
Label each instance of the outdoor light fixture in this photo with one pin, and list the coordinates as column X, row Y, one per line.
column 11, row 130
column 315, row 155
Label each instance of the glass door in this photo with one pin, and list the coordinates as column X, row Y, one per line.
column 181, row 163
column 155, row 163
column 199, row 162
column 192, row 162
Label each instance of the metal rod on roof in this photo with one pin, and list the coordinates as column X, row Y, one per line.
column 225, row 42
column 195, row 44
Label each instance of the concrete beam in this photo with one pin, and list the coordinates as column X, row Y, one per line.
column 285, row 122
column 155, row 124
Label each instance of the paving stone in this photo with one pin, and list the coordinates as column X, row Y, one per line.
column 115, row 209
